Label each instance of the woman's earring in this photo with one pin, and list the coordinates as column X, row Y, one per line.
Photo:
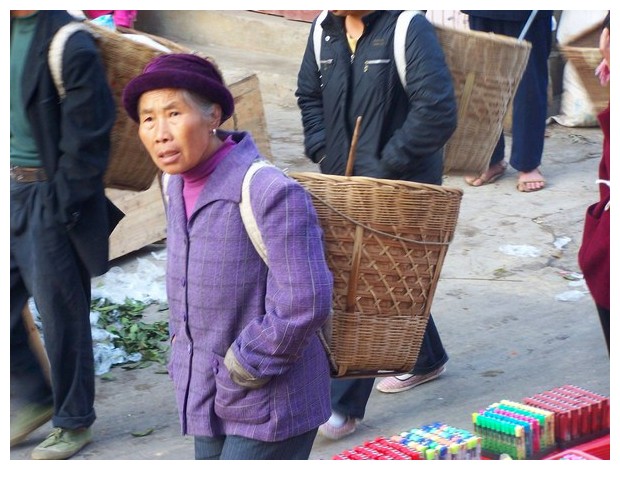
column 213, row 132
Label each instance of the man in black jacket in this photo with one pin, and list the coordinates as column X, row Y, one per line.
column 60, row 225
column 402, row 135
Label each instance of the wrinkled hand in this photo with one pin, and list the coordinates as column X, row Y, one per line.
column 240, row 375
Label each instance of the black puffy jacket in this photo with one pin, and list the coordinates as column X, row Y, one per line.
column 402, row 134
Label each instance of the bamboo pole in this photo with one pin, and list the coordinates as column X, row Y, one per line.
column 351, row 160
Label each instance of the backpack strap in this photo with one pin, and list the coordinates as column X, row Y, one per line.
column 400, row 37
column 56, row 50
column 400, row 41
column 317, row 38
column 247, row 215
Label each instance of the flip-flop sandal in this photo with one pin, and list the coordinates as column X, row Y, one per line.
column 489, row 180
column 522, row 185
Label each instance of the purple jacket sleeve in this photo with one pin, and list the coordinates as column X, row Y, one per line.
column 298, row 297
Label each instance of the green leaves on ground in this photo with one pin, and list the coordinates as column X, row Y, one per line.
column 132, row 334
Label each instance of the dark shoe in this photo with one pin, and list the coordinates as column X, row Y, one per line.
column 28, row 419
column 62, row 444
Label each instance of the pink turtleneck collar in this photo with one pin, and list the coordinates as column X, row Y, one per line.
column 194, row 179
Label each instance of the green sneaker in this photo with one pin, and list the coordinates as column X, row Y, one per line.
column 62, row 444
column 27, row 420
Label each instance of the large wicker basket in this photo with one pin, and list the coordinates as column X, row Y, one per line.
column 585, row 60
column 486, row 70
column 583, row 52
column 130, row 166
column 386, row 241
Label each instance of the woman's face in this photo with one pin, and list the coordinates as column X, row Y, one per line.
column 175, row 133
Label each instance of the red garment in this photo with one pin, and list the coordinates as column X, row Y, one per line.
column 594, row 251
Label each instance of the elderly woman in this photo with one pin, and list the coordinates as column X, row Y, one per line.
column 249, row 369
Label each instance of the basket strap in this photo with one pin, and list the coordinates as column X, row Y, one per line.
column 56, row 50
column 400, row 42
column 527, row 25
column 245, row 207
column 317, row 38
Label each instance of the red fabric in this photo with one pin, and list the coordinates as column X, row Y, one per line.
column 594, row 251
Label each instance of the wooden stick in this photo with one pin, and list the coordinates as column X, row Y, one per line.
column 351, row 160
column 34, row 339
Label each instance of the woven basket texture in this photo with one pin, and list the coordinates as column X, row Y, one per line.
column 486, row 70
column 585, row 60
column 385, row 242
column 130, row 166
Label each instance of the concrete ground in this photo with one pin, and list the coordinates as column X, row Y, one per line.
column 512, row 320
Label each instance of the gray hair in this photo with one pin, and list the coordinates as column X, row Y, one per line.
column 199, row 102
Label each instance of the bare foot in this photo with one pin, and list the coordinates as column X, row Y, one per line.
column 530, row 181
column 491, row 175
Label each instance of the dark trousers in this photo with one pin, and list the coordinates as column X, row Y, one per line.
column 233, row 447
column 350, row 396
column 44, row 265
column 603, row 315
column 529, row 110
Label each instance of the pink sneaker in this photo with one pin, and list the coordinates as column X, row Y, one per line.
column 400, row 383
column 336, row 433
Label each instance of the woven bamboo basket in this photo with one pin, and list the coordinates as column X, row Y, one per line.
column 486, row 70
column 386, row 241
column 130, row 166
column 585, row 60
column 582, row 50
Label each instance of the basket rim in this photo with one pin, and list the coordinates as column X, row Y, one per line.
column 380, row 181
column 496, row 37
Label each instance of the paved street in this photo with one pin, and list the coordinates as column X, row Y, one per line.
column 512, row 318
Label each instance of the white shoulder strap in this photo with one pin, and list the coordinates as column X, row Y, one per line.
column 317, row 38
column 400, row 41
column 247, row 216
column 57, row 47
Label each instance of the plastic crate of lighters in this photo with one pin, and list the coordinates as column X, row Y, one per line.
column 436, row 441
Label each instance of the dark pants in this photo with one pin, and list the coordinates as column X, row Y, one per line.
column 44, row 265
column 350, row 396
column 529, row 110
column 233, row 447
column 603, row 315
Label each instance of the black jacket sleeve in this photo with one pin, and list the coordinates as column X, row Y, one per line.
column 432, row 115
column 310, row 102
column 87, row 117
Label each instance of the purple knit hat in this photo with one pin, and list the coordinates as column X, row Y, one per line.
column 179, row 70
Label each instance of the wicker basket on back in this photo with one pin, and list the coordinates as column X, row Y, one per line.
column 386, row 241
column 130, row 166
column 486, row 70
